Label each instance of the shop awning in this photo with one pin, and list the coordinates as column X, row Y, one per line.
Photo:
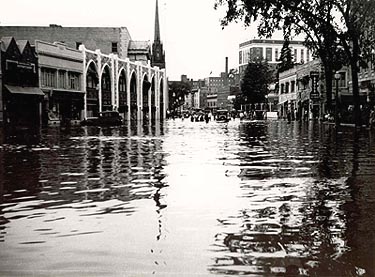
column 24, row 90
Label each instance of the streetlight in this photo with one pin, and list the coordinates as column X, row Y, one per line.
column 337, row 78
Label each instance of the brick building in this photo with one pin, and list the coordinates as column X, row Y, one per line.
column 115, row 40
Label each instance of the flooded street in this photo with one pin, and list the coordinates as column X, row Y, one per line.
column 188, row 199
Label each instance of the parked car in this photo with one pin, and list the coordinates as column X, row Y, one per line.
column 107, row 118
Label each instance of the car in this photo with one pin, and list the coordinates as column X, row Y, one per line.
column 222, row 115
column 106, row 118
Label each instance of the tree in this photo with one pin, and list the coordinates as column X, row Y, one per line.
column 177, row 92
column 328, row 25
column 255, row 82
column 286, row 59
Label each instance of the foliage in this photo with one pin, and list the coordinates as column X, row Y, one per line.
column 328, row 25
column 255, row 82
column 177, row 92
column 286, row 59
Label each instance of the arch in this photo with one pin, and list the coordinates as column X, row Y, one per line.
column 153, row 98
column 161, row 98
column 145, row 96
column 92, row 90
column 122, row 93
column 133, row 96
column 106, row 88
column 91, row 62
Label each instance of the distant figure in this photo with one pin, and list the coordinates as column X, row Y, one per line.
column 305, row 115
column 206, row 118
column 289, row 116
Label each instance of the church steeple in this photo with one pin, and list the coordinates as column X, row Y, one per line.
column 157, row 26
column 158, row 55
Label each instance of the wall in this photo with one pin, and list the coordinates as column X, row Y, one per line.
column 59, row 56
column 92, row 37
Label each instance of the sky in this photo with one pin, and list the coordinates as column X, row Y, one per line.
column 194, row 42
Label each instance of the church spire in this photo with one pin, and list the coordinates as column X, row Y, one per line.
column 157, row 27
column 157, row 55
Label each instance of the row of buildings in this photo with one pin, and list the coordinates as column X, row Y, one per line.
column 302, row 92
column 66, row 74
column 299, row 92
column 219, row 92
column 212, row 92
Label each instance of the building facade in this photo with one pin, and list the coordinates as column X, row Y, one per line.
column 60, row 78
column 270, row 51
column 21, row 98
column 116, row 40
column 136, row 90
column 288, row 87
column 302, row 91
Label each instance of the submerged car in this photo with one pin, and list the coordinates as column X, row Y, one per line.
column 222, row 116
column 107, row 118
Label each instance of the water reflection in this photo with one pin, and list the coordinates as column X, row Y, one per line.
column 67, row 183
column 258, row 198
column 298, row 183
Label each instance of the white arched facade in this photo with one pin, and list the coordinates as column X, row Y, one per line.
column 116, row 66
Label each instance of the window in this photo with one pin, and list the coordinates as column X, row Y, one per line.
column 114, row 47
column 308, row 55
column 48, row 77
column 122, row 85
column 282, row 88
column 295, row 55
column 292, row 86
column 62, row 79
column 91, row 81
column 73, row 80
column 78, row 44
column 256, row 53
column 269, row 54
column 240, row 57
column 302, row 56
column 276, row 54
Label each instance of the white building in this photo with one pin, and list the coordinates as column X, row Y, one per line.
column 270, row 50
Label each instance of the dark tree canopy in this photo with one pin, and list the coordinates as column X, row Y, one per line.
column 177, row 90
column 286, row 59
column 255, row 82
column 328, row 25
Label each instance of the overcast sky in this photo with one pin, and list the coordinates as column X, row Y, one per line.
column 194, row 41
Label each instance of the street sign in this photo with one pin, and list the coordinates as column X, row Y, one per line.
column 314, row 95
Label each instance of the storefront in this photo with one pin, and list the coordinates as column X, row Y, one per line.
column 20, row 94
column 22, row 105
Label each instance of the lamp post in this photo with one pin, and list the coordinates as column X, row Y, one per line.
column 337, row 78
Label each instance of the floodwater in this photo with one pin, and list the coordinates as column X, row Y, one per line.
column 188, row 199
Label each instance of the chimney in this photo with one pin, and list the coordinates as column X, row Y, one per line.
column 226, row 72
